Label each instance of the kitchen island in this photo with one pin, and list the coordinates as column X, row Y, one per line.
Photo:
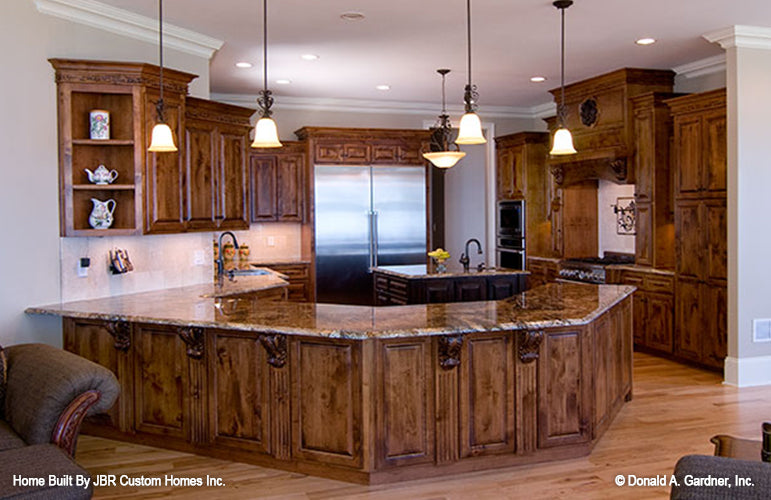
column 357, row 393
column 421, row 284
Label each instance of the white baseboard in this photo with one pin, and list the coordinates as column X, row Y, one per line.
column 746, row 372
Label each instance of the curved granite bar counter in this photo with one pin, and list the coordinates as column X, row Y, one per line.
column 358, row 393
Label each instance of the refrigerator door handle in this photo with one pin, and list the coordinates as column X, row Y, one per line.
column 375, row 248
column 371, row 216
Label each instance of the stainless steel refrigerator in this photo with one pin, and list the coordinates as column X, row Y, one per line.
column 366, row 216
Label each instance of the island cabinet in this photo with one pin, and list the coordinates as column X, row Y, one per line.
column 404, row 287
column 373, row 408
column 298, row 275
column 701, row 263
column 277, row 183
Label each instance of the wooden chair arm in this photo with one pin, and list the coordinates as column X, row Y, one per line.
column 67, row 428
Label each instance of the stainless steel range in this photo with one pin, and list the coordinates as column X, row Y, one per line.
column 591, row 269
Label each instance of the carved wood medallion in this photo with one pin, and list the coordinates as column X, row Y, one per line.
column 275, row 346
column 619, row 168
column 529, row 345
column 589, row 111
column 449, row 351
column 121, row 332
column 558, row 171
column 193, row 339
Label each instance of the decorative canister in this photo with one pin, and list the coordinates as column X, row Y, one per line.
column 243, row 252
column 216, row 247
column 228, row 251
column 99, row 124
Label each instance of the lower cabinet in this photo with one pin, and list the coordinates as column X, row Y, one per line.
column 397, row 290
column 542, row 271
column 372, row 409
column 654, row 305
column 299, row 289
column 701, row 309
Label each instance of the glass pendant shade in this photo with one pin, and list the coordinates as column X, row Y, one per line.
column 444, row 159
column 470, row 130
column 266, row 134
column 563, row 143
column 162, row 139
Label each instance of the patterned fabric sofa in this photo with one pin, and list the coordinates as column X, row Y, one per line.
column 45, row 393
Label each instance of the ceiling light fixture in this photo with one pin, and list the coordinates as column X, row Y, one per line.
column 383, row 87
column 162, row 140
column 243, row 64
column 352, row 16
column 538, row 79
column 470, row 125
column 283, row 81
column 265, row 132
column 309, row 57
column 563, row 141
column 441, row 156
column 645, row 41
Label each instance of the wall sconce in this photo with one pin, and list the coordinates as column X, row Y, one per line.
column 626, row 213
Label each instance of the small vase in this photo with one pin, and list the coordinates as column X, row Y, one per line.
column 99, row 124
column 440, row 266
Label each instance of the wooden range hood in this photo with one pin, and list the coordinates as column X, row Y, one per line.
column 600, row 117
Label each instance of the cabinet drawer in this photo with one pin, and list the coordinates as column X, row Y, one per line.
column 381, row 283
column 661, row 284
column 633, row 278
column 292, row 271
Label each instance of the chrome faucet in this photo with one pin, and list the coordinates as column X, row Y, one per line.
column 221, row 258
column 464, row 258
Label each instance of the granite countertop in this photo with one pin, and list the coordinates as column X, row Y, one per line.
column 554, row 304
column 453, row 271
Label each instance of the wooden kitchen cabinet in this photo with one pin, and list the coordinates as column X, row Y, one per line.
column 299, row 289
column 215, row 189
column 365, row 146
column 654, row 245
column 701, row 263
column 277, row 183
column 521, row 173
column 542, row 270
column 654, row 304
column 390, row 289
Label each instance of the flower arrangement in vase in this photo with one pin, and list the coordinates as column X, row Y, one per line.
column 439, row 256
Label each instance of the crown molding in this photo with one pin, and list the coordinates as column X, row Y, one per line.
column 545, row 110
column 714, row 64
column 370, row 106
column 108, row 18
column 742, row 36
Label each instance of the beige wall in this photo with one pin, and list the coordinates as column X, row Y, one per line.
column 30, row 256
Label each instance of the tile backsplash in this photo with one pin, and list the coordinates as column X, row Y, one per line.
column 164, row 261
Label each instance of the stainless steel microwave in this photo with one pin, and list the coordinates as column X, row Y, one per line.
column 511, row 218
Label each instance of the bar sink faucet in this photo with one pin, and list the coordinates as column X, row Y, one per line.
column 221, row 258
column 464, row 258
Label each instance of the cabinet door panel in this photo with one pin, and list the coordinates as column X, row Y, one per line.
column 562, row 411
column 660, row 322
column 717, row 240
column 644, row 238
column 239, row 403
column 232, row 180
column 690, row 328
column 714, row 347
column 437, row 290
column 640, row 317
column 385, row 153
column 165, row 173
column 263, row 188
column 161, row 378
column 201, row 175
column 715, row 154
column 470, row 289
column 645, row 156
column 290, row 188
column 406, row 417
column 487, row 396
column 688, row 159
column 689, row 239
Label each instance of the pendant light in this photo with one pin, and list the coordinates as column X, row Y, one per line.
column 470, row 125
column 441, row 156
column 265, row 132
column 563, row 141
column 162, row 140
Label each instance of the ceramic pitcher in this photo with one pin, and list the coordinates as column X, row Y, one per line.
column 101, row 215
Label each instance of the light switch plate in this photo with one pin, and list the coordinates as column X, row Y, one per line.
column 271, row 241
column 199, row 258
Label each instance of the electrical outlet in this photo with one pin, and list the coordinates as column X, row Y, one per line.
column 271, row 241
column 199, row 259
column 82, row 271
column 761, row 330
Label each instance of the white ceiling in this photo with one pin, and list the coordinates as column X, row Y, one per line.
column 402, row 42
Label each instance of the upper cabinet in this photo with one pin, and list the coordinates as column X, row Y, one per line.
column 349, row 146
column 277, row 183
column 202, row 186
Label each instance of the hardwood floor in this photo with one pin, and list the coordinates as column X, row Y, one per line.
column 675, row 411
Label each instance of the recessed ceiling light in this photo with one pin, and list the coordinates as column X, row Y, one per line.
column 352, row 16
column 383, row 87
column 538, row 79
column 243, row 64
column 309, row 57
column 645, row 41
column 283, row 81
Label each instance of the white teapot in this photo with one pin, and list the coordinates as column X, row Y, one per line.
column 101, row 175
column 101, row 216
